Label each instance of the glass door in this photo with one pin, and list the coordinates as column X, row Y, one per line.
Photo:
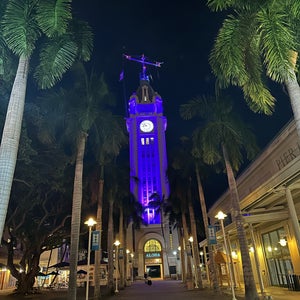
column 277, row 257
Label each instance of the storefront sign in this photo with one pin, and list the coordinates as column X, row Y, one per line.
column 152, row 255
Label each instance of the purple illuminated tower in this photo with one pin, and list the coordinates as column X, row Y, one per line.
column 155, row 244
column 148, row 159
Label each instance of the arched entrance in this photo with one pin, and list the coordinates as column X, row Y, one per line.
column 153, row 259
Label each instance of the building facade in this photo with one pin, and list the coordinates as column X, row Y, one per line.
column 269, row 191
column 155, row 244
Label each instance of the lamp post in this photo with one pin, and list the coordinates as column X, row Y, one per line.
column 90, row 223
column 221, row 216
column 127, row 264
column 117, row 244
column 132, row 255
column 201, row 255
column 191, row 239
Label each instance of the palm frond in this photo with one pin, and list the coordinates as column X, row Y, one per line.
column 258, row 97
column 198, row 106
column 227, row 57
column 19, row 28
column 55, row 59
column 83, row 39
column 219, row 5
column 53, row 16
column 277, row 40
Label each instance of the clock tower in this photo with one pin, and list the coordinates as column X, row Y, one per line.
column 155, row 245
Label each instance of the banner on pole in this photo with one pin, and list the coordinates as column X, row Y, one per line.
column 95, row 240
column 212, row 239
column 121, row 253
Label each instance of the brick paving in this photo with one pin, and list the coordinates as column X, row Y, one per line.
column 159, row 290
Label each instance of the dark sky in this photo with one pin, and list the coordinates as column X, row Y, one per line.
column 180, row 34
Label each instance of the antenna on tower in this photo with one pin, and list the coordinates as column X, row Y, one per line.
column 144, row 61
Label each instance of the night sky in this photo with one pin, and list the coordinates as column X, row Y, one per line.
column 180, row 34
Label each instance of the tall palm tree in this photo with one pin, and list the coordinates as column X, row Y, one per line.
column 259, row 40
column 78, row 110
column 185, row 162
column 188, row 149
column 22, row 25
column 108, row 137
column 112, row 187
column 110, row 237
column 121, row 199
column 223, row 138
column 179, row 203
column 212, row 263
column 194, row 242
column 133, row 216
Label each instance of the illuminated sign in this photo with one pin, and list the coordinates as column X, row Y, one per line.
column 152, row 254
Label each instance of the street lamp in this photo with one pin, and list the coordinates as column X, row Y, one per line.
column 191, row 239
column 117, row 244
column 90, row 223
column 132, row 255
column 201, row 256
column 127, row 263
column 221, row 216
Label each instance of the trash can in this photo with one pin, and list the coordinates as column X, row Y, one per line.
column 296, row 279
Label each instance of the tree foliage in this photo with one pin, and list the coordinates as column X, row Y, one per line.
column 38, row 216
column 258, row 40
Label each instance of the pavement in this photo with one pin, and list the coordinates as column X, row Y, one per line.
column 160, row 290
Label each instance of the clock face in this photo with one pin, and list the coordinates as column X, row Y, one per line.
column 146, row 126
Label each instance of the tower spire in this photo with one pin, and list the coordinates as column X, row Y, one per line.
column 144, row 61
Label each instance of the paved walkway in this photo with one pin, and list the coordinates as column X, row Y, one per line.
column 160, row 290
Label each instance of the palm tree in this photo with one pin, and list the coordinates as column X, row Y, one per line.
column 110, row 237
column 212, row 263
column 191, row 151
column 185, row 162
column 108, row 137
column 259, row 40
column 179, row 203
column 113, row 187
column 78, row 108
column 127, row 210
column 23, row 23
column 194, row 241
column 133, row 216
column 223, row 138
column 121, row 197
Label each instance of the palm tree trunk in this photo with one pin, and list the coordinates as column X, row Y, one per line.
column 122, row 245
column 212, row 263
column 11, row 136
column 110, row 241
column 98, row 254
column 250, row 287
column 189, row 274
column 196, row 255
column 293, row 89
column 182, row 259
column 76, row 216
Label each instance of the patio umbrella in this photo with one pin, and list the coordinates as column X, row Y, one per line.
column 81, row 272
